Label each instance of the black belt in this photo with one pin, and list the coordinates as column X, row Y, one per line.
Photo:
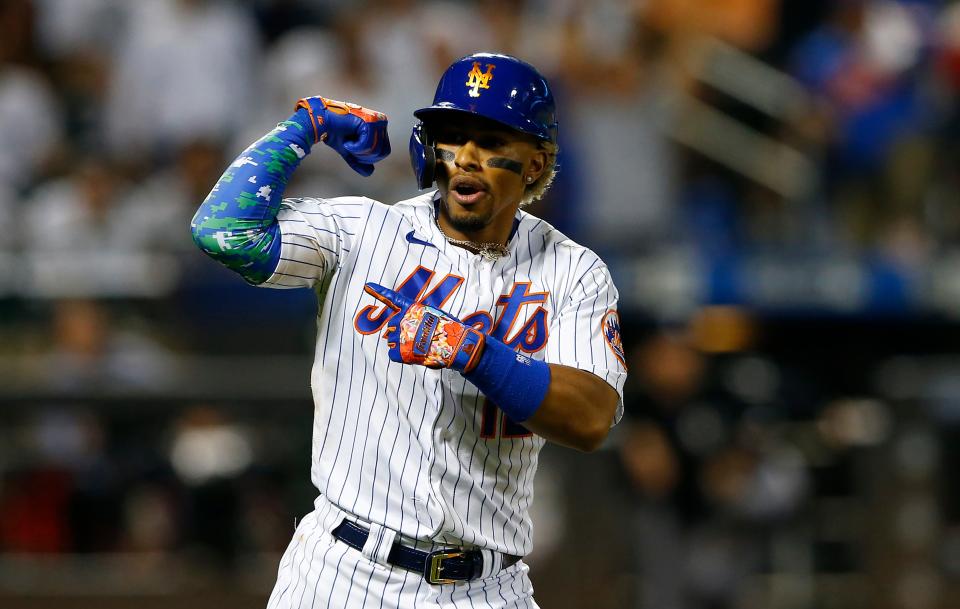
column 444, row 566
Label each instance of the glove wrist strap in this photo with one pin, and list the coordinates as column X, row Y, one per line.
column 516, row 383
column 315, row 125
column 469, row 351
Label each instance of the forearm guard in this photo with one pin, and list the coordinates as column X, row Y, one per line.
column 237, row 223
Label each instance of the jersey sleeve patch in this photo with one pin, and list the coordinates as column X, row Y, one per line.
column 610, row 326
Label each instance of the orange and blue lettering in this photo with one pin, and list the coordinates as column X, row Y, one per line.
column 372, row 318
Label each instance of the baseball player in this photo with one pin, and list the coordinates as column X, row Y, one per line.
column 455, row 335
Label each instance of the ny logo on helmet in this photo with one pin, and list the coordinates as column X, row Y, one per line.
column 478, row 80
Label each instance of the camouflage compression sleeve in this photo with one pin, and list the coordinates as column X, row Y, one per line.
column 237, row 223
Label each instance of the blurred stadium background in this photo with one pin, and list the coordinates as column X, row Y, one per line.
column 774, row 185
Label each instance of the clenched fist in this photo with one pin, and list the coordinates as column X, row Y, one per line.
column 358, row 134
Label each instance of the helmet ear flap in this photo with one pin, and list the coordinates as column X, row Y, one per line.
column 423, row 157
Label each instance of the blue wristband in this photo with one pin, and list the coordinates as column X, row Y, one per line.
column 514, row 382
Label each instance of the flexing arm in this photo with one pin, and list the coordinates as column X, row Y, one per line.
column 237, row 223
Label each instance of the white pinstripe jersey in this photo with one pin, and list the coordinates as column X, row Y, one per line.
column 417, row 450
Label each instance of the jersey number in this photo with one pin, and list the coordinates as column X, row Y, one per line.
column 507, row 428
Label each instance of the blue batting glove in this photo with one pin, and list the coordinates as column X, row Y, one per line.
column 358, row 134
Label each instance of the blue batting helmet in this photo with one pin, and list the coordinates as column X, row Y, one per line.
column 498, row 87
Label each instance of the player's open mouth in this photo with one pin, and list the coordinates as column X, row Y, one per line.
column 466, row 190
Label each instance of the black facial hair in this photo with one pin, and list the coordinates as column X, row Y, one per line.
column 465, row 224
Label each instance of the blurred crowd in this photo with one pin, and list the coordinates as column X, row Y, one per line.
column 732, row 152
column 117, row 117
column 81, row 485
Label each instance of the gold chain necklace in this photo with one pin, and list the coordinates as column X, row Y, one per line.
column 490, row 251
